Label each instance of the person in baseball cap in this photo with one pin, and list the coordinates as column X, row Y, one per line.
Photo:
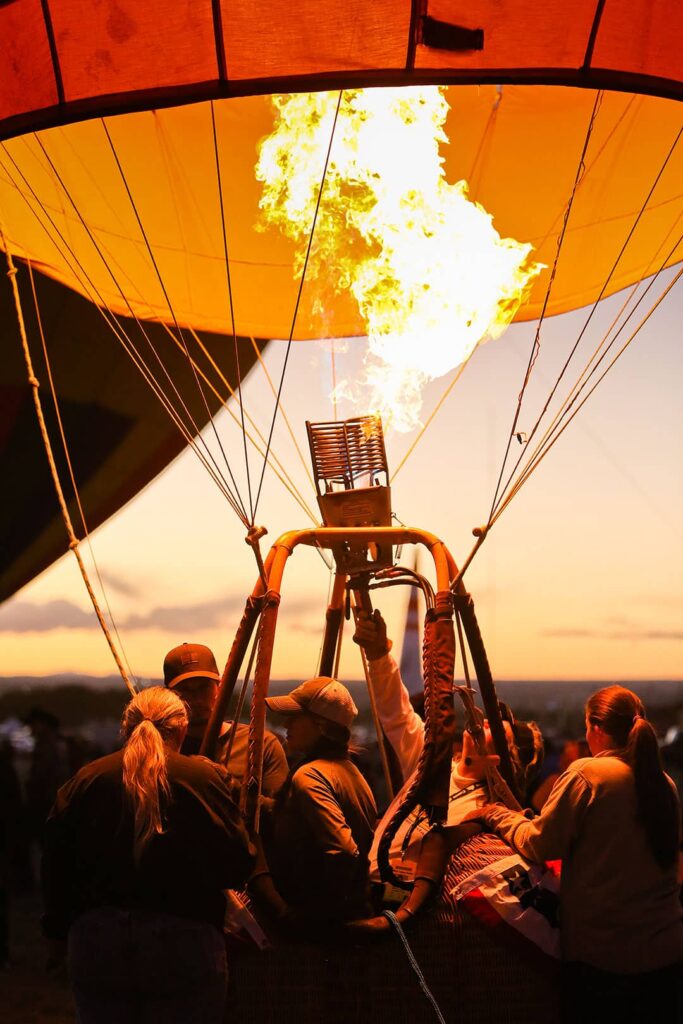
column 189, row 661
column 322, row 696
column 190, row 670
column 325, row 814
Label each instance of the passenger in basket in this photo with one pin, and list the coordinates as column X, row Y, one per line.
column 325, row 813
column 404, row 729
column 190, row 670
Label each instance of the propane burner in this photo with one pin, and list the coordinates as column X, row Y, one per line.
column 352, row 483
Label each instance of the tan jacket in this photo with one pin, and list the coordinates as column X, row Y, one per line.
column 619, row 910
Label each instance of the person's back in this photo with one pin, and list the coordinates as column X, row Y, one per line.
column 324, row 815
column 92, row 825
column 139, row 846
column 614, row 821
column 324, row 826
column 620, row 908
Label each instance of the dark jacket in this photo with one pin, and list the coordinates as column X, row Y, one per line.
column 323, row 826
column 88, row 856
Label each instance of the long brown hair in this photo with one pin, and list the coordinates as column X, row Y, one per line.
column 620, row 713
column 152, row 717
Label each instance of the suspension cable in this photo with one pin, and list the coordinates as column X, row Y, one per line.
column 206, row 458
column 449, row 387
column 333, row 370
column 599, row 355
column 69, row 464
column 230, row 300
column 593, row 309
column 590, row 164
column 276, row 464
column 244, row 516
column 537, row 337
column 103, row 302
column 299, row 293
column 73, row 540
column 133, row 353
column 538, row 459
column 119, row 331
column 302, row 459
column 463, row 649
column 283, row 475
column 486, row 135
column 243, row 692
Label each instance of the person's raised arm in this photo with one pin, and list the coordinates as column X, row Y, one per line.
column 402, row 726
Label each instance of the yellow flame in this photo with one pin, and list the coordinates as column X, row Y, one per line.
column 431, row 275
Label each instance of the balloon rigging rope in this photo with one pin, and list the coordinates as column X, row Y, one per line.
column 126, row 342
column 206, row 457
column 454, row 380
column 299, row 293
column 274, row 463
column 502, row 499
column 232, row 308
column 333, row 369
column 537, row 342
column 98, row 249
column 330, row 580
column 536, row 347
column 588, row 166
column 242, row 696
column 242, row 509
column 119, row 332
column 540, row 453
column 589, row 371
column 69, row 464
column 283, row 475
column 73, row 540
column 293, row 490
column 147, row 372
column 486, row 135
column 302, row 459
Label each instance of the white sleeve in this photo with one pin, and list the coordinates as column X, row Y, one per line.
column 403, row 727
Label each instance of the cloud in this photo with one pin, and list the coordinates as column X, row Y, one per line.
column 181, row 618
column 624, row 633
column 26, row 617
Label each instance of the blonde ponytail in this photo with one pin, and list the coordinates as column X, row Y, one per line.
column 149, row 720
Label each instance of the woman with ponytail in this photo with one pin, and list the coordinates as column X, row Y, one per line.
column 140, row 846
column 614, row 821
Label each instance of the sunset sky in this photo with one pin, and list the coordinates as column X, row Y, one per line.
column 580, row 579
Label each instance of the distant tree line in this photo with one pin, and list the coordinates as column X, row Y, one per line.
column 71, row 703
